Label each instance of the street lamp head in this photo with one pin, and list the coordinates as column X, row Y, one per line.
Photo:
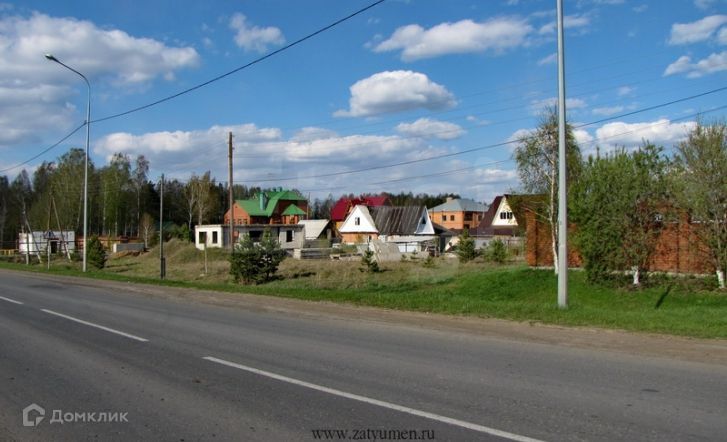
column 51, row 57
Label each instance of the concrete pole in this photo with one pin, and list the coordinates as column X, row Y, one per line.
column 562, row 183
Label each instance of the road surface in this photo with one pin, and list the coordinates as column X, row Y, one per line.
column 110, row 361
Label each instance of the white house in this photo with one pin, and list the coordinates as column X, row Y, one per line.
column 59, row 241
column 290, row 236
column 409, row 227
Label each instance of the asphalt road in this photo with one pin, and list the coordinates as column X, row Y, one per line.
column 182, row 370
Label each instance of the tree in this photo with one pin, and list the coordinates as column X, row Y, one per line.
column 701, row 189
column 256, row 263
column 369, row 263
column 619, row 206
column 496, row 252
column 147, row 229
column 96, row 254
column 466, row 247
column 199, row 197
column 537, row 162
column 138, row 182
column 115, row 182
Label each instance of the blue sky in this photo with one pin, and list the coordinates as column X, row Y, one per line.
column 403, row 81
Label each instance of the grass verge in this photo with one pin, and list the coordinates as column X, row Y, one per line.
column 678, row 306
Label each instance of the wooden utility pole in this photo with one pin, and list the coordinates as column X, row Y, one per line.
column 232, row 199
column 162, row 262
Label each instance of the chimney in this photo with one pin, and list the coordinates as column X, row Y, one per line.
column 262, row 199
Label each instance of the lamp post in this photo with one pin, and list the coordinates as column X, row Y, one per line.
column 85, row 168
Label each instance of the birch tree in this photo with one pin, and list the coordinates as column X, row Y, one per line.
column 537, row 161
column 701, row 183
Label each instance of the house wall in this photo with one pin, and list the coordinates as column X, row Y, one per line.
column 678, row 249
column 358, row 237
column 504, row 216
column 459, row 222
column 240, row 216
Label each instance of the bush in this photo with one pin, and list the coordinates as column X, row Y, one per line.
column 256, row 263
column 96, row 255
column 369, row 263
column 496, row 252
column 466, row 247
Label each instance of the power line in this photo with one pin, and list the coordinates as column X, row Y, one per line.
column 489, row 146
column 53, row 146
column 254, row 62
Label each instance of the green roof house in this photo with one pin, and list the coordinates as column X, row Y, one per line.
column 277, row 206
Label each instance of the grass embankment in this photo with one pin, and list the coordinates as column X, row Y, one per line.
column 680, row 306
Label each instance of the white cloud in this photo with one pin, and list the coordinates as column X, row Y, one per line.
column 313, row 133
column 569, row 22
column 641, row 8
column 34, row 93
column 583, row 138
column 683, row 65
column 396, row 91
column 722, row 36
column 625, row 90
column 466, row 36
column 700, row 30
column 428, row 128
column 703, row 4
column 607, row 111
column 254, row 38
column 550, row 59
column 537, row 106
column 661, row 132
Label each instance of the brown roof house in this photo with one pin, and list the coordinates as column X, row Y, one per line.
column 408, row 227
column 499, row 222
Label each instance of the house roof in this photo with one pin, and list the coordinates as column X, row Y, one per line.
column 293, row 210
column 486, row 222
column 272, row 198
column 314, row 227
column 485, row 228
column 459, row 205
column 402, row 220
column 342, row 206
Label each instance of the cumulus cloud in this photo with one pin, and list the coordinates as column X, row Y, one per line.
column 34, row 92
column 537, row 106
column 661, row 132
column 550, row 59
column 395, row 91
column 711, row 64
column 607, row 110
column 569, row 22
column 254, row 38
column 700, row 30
column 427, row 128
column 625, row 90
column 496, row 35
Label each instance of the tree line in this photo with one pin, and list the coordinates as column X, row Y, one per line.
column 620, row 202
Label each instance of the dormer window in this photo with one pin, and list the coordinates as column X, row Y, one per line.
column 357, row 221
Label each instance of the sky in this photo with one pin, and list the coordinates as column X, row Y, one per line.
column 410, row 95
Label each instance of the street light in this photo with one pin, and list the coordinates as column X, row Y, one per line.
column 85, row 169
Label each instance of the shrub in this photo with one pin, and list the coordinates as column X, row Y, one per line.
column 466, row 247
column 256, row 263
column 369, row 262
column 96, row 254
column 496, row 252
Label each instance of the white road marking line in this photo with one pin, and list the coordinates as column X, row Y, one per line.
column 11, row 300
column 80, row 321
column 389, row 405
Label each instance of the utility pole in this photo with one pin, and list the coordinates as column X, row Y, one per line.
column 562, row 189
column 232, row 199
column 162, row 262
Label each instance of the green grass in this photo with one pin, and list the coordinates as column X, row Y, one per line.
column 679, row 306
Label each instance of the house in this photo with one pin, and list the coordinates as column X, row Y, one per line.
column 409, row 227
column 499, row 222
column 458, row 214
column 316, row 229
column 276, row 206
column 345, row 205
column 290, row 236
column 58, row 241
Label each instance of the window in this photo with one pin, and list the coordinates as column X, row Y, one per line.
column 202, row 237
column 357, row 221
column 424, row 220
column 214, row 237
column 451, row 217
column 289, row 236
column 506, row 215
column 468, row 216
column 444, row 217
column 255, row 236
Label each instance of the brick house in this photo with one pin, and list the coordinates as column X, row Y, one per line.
column 458, row 214
column 269, row 207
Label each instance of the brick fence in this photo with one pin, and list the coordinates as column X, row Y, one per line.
column 677, row 249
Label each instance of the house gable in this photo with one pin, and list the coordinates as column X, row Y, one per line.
column 359, row 221
column 504, row 216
